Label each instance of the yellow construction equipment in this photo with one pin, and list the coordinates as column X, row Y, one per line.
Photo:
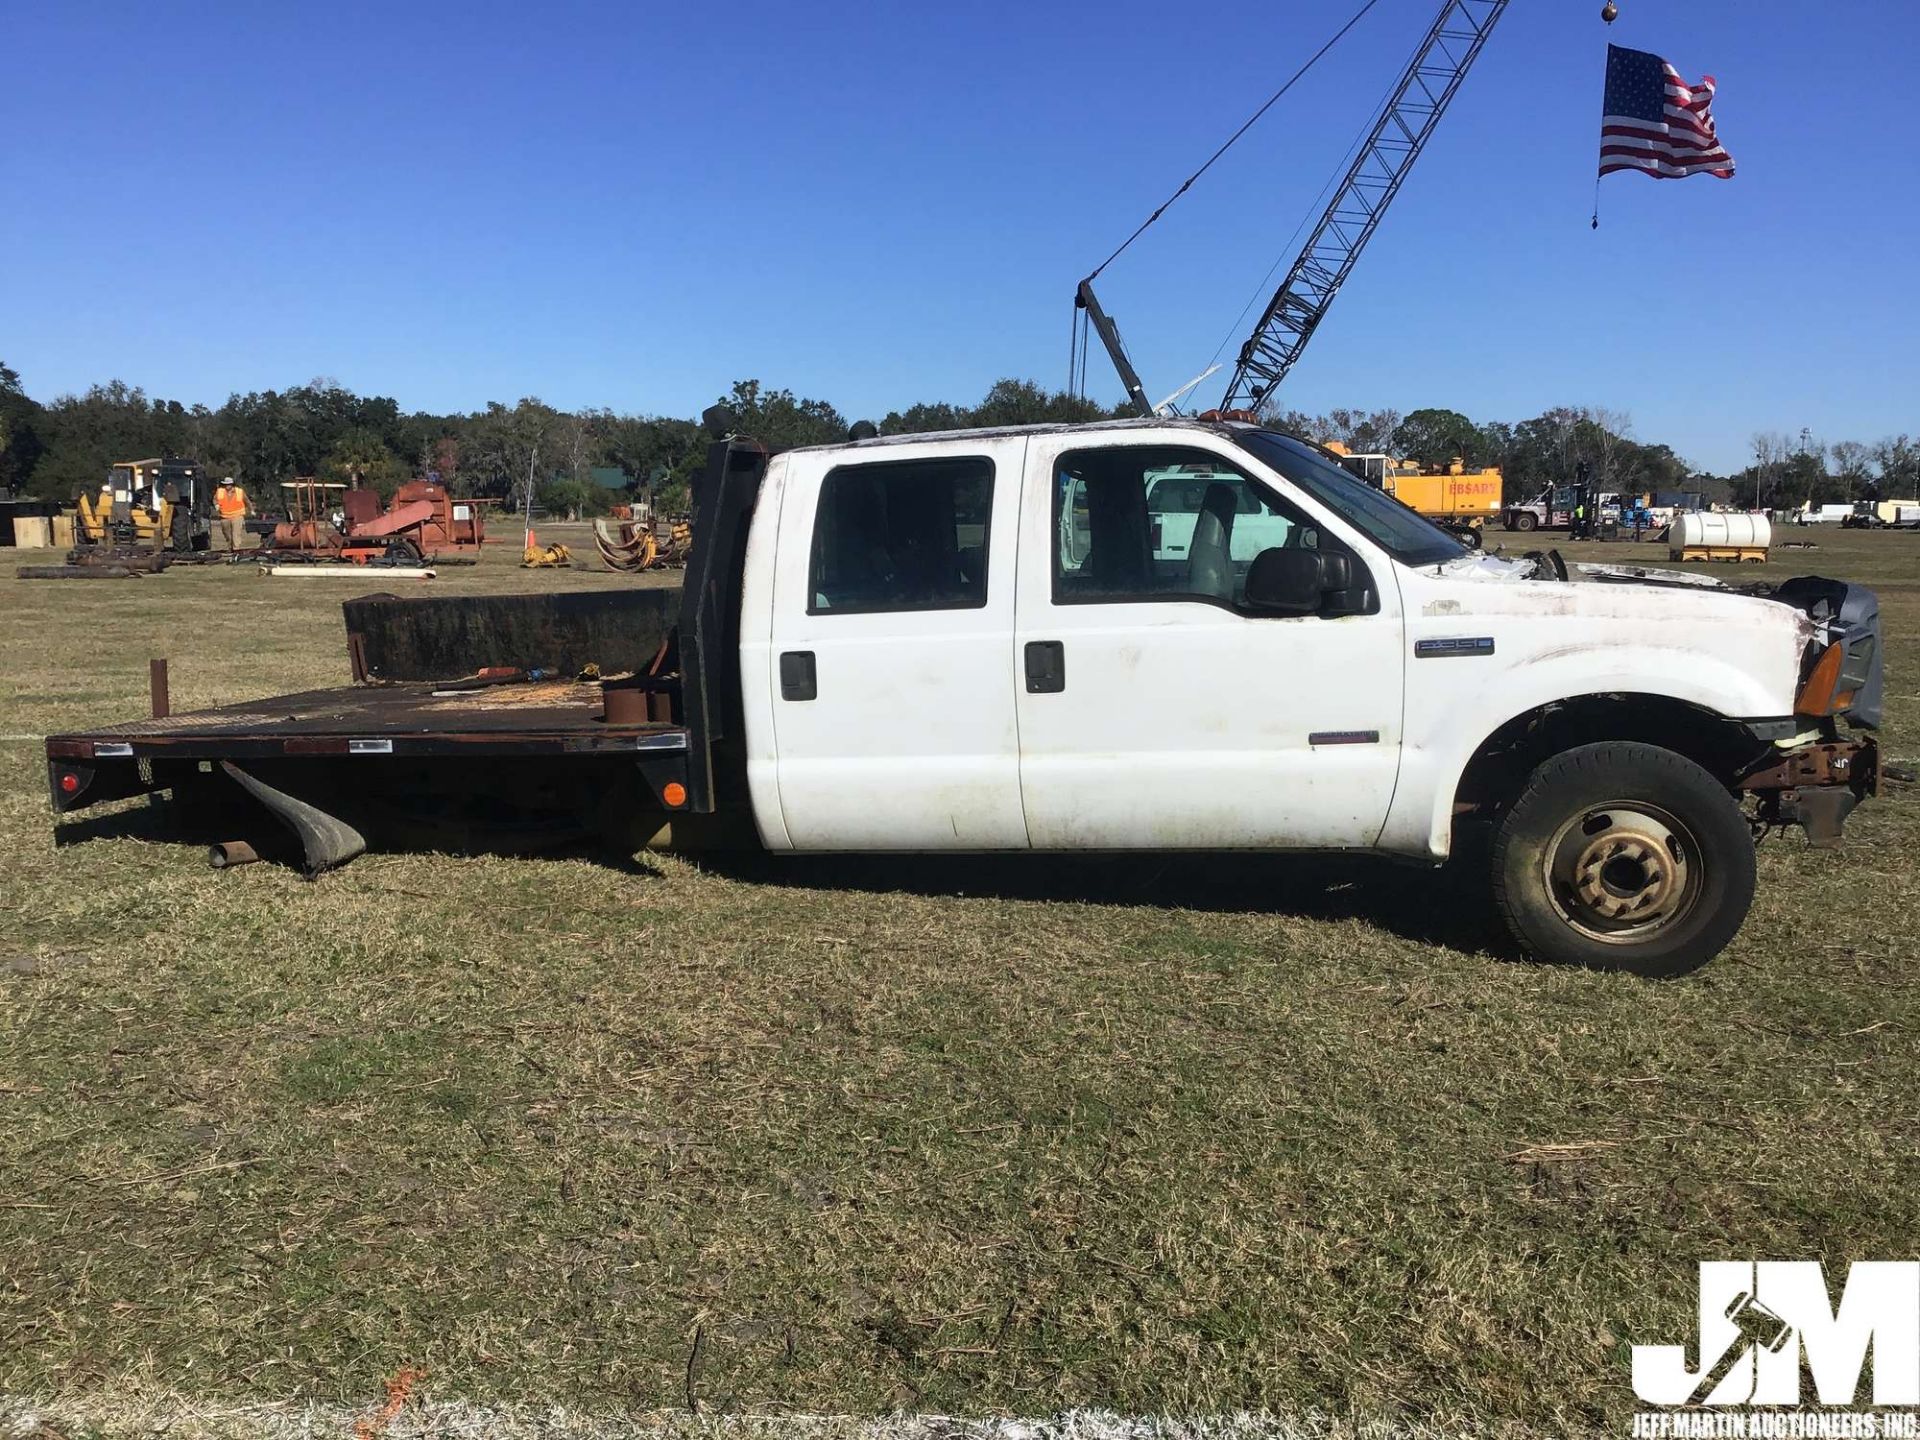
column 97, row 526
column 150, row 504
column 1455, row 496
column 541, row 557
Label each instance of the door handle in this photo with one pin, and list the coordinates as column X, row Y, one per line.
column 1046, row 667
column 798, row 679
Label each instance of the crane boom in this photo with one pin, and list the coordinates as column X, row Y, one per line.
column 1388, row 153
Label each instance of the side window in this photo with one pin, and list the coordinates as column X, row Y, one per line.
column 905, row 536
column 1161, row 523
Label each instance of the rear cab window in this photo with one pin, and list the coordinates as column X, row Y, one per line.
column 902, row 535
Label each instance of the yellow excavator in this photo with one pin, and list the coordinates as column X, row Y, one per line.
column 159, row 504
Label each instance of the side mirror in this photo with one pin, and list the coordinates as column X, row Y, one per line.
column 1288, row 582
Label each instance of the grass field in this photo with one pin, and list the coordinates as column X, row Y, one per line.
column 968, row 1137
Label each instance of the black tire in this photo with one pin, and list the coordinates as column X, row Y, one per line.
column 1525, row 520
column 1624, row 856
column 1468, row 536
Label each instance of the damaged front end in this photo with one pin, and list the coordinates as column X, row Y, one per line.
column 1825, row 760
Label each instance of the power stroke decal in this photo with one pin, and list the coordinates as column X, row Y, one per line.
column 1451, row 648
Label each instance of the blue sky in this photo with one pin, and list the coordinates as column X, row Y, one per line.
column 632, row 205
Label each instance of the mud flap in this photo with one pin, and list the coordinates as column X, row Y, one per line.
column 327, row 842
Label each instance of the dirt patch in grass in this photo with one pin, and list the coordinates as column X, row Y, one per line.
column 972, row 1137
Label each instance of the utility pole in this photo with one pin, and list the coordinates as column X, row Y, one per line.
column 532, row 460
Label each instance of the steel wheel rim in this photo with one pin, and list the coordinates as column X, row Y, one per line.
column 1623, row 871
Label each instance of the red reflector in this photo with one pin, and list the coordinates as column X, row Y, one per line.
column 69, row 782
column 674, row 793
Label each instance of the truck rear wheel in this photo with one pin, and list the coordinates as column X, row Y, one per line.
column 1624, row 856
column 1525, row 520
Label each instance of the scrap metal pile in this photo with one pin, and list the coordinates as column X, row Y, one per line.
column 643, row 545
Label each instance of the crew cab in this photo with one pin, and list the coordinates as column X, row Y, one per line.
column 1057, row 638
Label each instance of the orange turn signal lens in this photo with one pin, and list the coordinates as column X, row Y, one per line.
column 1818, row 695
column 674, row 793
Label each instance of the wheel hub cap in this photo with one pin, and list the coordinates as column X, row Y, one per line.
column 1619, row 871
column 1625, row 875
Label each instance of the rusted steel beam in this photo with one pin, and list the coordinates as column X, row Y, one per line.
column 76, row 572
column 1843, row 762
column 151, row 561
column 157, row 686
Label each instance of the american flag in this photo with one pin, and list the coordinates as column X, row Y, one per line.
column 1656, row 123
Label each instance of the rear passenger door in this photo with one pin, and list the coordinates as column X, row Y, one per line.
column 893, row 683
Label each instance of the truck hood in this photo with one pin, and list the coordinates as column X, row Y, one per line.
column 1490, row 585
column 1741, row 655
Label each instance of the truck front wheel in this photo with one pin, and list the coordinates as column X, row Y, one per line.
column 1624, row 856
column 1525, row 520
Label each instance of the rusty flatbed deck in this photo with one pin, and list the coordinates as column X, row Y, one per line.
column 542, row 718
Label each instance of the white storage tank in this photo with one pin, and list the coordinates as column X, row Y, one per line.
column 1712, row 532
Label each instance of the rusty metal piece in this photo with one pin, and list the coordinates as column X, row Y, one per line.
column 447, row 523
column 1816, row 787
column 625, row 704
column 158, row 688
column 633, row 548
column 1850, row 763
column 229, row 853
column 77, row 572
column 401, row 518
column 127, row 557
column 306, row 534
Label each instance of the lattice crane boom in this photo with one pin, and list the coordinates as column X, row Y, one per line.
column 1388, row 153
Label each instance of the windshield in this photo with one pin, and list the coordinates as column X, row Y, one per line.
column 1399, row 531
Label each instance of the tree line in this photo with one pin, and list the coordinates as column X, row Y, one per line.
column 57, row 449
column 321, row 429
column 1786, row 471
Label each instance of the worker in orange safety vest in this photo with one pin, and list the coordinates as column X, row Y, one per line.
column 231, row 504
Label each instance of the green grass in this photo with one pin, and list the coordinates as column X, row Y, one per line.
column 965, row 1136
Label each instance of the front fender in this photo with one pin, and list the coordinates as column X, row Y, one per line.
column 1445, row 729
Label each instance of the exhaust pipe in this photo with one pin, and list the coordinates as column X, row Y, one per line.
column 229, row 853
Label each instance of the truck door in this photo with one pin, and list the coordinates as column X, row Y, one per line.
column 1156, row 709
column 893, row 683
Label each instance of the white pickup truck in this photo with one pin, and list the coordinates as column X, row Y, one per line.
column 996, row 641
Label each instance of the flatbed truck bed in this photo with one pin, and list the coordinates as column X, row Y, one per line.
column 389, row 762
column 421, row 719
column 392, row 763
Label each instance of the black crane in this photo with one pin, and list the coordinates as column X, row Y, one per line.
column 1371, row 182
column 1406, row 121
